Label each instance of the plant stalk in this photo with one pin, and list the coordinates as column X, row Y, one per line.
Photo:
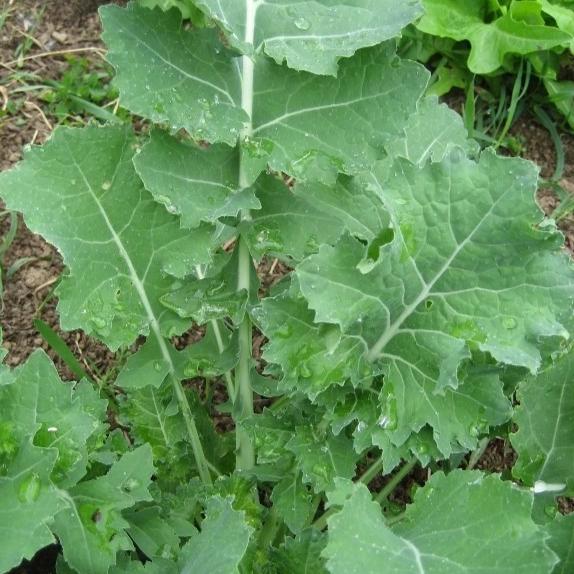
column 243, row 404
column 372, row 471
column 196, row 446
column 395, row 481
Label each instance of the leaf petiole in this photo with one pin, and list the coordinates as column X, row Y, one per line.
column 395, row 481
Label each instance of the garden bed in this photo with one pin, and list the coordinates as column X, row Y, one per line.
column 73, row 29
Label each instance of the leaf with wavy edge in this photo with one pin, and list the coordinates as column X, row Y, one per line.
column 430, row 296
column 222, row 542
column 488, row 278
column 91, row 528
column 301, row 555
column 173, row 76
column 56, row 415
column 292, row 223
column 545, row 418
column 293, row 502
column 120, row 246
column 431, row 133
column 305, row 125
column 322, row 125
column 313, row 357
column 462, row 523
column 492, row 41
column 28, row 502
column 44, row 427
column 200, row 184
column 311, row 35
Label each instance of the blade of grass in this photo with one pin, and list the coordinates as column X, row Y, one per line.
column 58, row 345
column 96, row 111
column 547, row 122
column 18, row 264
column 9, row 237
column 518, row 92
column 470, row 109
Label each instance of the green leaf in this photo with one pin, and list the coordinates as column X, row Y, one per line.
column 188, row 10
column 464, row 522
column 301, row 555
column 293, row 502
column 154, row 419
column 28, row 501
column 214, row 355
column 321, row 125
column 244, row 493
column 97, row 213
column 311, row 36
column 312, row 356
column 307, row 126
column 545, row 437
column 271, row 431
column 431, row 133
column 146, row 367
column 490, row 42
column 561, row 541
column 287, row 225
column 91, row 529
column 38, row 406
column 292, row 223
column 427, row 303
column 398, row 418
column 214, row 297
column 321, row 459
column 564, row 17
column 222, row 542
column 171, row 76
column 200, row 184
column 152, row 534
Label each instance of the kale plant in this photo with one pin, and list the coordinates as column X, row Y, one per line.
column 424, row 292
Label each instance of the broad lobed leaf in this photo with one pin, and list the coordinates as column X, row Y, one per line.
column 464, row 522
column 310, row 35
column 304, row 125
column 120, row 246
column 468, row 268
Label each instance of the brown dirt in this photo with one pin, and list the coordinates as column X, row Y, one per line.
column 60, row 25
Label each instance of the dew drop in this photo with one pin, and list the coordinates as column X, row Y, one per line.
column 509, row 323
column 302, row 23
column 29, row 489
column 99, row 323
column 284, row 331
column 305, row 371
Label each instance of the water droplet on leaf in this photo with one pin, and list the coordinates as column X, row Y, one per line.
column 302, row 23
column 509, row 323
column 29, row 489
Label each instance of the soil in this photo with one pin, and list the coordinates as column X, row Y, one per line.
column 61, row 25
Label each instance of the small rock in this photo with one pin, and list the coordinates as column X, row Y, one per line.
column 60, row 36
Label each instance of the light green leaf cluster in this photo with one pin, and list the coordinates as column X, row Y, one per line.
column 46, row 426
column 521, row 30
